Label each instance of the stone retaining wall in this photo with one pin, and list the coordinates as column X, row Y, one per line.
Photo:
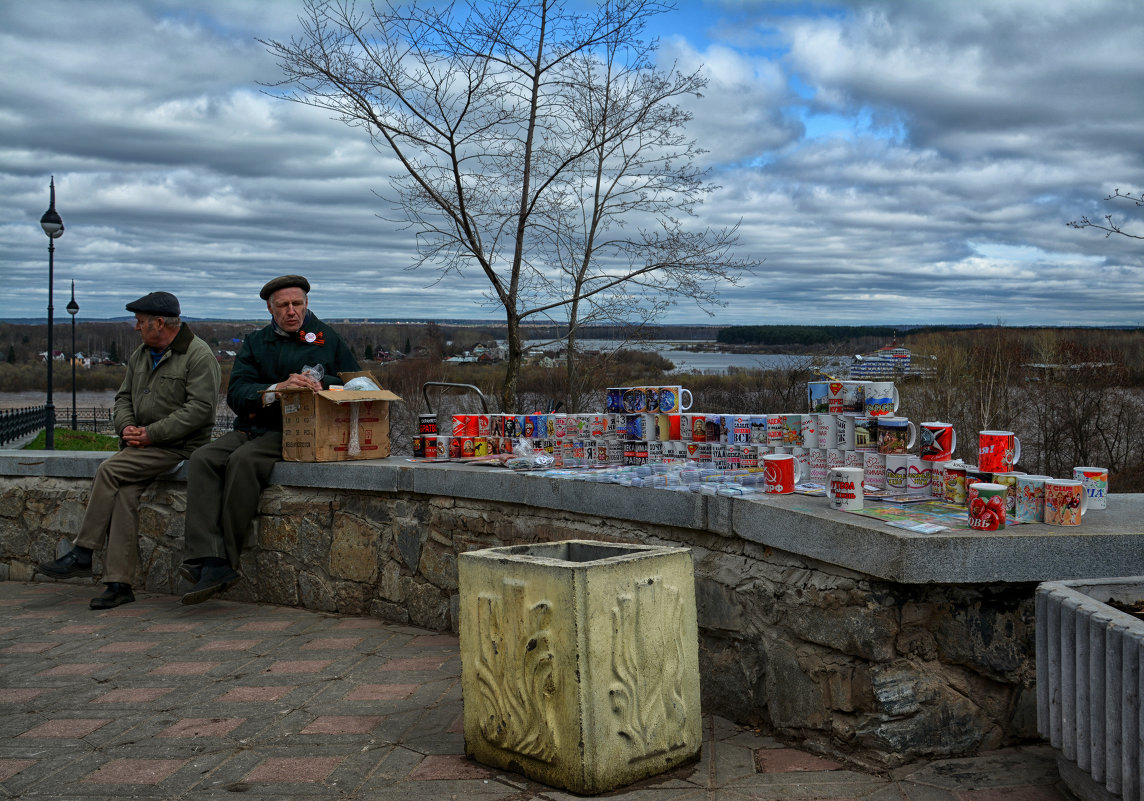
column 874, row 670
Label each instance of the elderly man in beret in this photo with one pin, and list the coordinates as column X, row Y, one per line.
column 225, row 479
column 164, row 409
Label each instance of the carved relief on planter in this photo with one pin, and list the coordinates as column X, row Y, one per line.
column 580, row 663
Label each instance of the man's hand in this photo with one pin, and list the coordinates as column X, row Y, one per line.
column 300, row 381
column 136, row 436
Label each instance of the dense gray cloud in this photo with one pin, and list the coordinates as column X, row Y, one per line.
column 892, row 161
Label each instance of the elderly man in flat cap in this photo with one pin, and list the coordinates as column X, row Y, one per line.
column 164, row 409
column 225, row 478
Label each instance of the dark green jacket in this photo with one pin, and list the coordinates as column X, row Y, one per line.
column 175, row 400
column 268, row 357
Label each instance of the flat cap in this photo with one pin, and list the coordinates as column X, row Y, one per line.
column 283, row 282
column 161, row 304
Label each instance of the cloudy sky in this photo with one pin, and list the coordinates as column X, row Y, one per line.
column 892, row 161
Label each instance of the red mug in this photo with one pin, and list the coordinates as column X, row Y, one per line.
column 998, row 451
column 987, row 506
column 939, row 441
column 781, row 471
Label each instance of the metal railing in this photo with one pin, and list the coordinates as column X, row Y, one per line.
column 17, row 423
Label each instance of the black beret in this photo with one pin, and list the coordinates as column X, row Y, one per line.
column 283, row 282
column 160, row 304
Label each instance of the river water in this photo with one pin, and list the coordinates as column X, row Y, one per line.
column 685, row 361
column 689, row 361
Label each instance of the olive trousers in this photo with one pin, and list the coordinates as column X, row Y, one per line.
column 112, row 514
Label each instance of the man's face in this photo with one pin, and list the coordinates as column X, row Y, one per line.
column 150, row 330
column 288, row 308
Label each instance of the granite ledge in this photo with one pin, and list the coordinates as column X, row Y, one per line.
column 1109, row 543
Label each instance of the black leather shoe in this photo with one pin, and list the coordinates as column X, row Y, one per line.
column 191, row 571
column 115, row 595
column 212, row 581
column 67, row 566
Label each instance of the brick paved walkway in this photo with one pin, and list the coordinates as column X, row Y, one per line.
column 155, row 700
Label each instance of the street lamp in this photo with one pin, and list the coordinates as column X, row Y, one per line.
column 73, row 309
column 53, row 226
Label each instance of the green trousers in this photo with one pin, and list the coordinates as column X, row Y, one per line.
column 224, row 481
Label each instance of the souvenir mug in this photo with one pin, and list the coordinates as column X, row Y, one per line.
column 671, row 399
column 827, row 426
column 937, row 480
column 1031, row 499
column 897, row 471
column 818, row 470
column 1065, row 502
column 1095, row 480
column 895, row 435
column 667, row 426
column 880, row 398
column 865, row 433
column 802, row 456
column 852, row 458
column 780, row 473
column 998, row 451
column 845, row 423
column 696, row 425
column 987, row 506
column 847, row 396
column 738, row 429
column 874, row 468
column 808, row 432
column 955, row 473
column 1009, row 481
column 634, row 400
column 918, row 476
column 939, row 441
column 759, row 429
column 818, row 396
column 844, row 488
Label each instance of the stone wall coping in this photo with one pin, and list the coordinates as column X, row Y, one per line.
column 1110, row 542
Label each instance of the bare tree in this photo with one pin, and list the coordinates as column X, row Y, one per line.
column 527, row 137
column 1109, row 226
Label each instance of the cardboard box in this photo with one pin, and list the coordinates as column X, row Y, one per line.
column 335, row 425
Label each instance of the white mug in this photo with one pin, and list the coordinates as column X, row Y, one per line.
column 897, row 471
column 918, row 476
column 881, row 398
column 818, row 470
column 874, row 469
column 896, row 435
column 827, row 425
column 671, row 399
column 844, row 488
column 1095, row 480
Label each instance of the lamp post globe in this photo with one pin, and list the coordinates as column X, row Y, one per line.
column 53, row 226
column 73, row 310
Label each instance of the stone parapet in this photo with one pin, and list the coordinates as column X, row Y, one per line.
column 847, row 635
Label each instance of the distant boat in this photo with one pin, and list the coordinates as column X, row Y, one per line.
column 892, row 361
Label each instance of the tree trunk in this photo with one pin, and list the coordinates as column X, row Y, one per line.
column 573, row 389
column 512, row 369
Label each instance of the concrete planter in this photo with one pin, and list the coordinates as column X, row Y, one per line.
column 580, row 663
column 1090, row 679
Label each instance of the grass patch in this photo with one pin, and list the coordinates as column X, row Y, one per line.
column 68, row 440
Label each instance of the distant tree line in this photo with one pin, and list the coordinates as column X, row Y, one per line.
column 810, row 334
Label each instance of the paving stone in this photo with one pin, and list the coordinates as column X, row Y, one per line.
column 225, row 698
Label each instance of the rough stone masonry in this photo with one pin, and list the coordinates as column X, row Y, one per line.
column 875, row 671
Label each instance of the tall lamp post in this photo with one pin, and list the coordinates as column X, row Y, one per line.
column 53, row 226
column 73, row 309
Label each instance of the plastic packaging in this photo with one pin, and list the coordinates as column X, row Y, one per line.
column 362, row 384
